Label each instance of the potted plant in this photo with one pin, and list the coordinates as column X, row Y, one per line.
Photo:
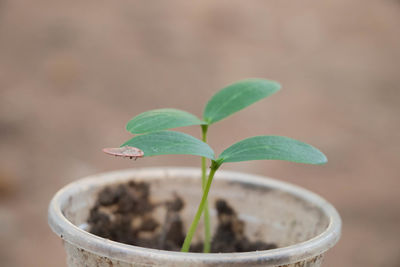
column 258, row 221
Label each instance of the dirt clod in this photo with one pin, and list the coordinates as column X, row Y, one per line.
column 124, row 213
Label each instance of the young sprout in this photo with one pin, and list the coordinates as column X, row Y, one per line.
column 154, row 140
column 224, row 103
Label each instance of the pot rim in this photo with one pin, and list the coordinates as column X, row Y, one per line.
column 127, row 253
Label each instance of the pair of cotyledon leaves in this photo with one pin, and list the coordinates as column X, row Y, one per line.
column 154, row 140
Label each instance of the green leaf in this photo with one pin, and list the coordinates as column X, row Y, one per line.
column 237, row 96
column 170, row 143
column 161, row 119
column 272, row 147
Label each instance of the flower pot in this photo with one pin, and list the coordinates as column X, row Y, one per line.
column 303, row 224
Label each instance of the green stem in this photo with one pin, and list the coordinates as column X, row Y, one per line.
column 207, row 227
column 188, row 239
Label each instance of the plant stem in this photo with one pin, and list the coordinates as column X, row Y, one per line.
column 188, row 239
column 207, row 227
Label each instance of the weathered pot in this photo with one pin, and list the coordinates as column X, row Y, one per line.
column 303, row 224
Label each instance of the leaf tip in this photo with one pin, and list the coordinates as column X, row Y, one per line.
column 130, row 127
column 278, row 86
column 323, row 160
column 320, row 158
column 274, row 85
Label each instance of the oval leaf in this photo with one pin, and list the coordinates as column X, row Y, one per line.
column 161, row 119
column 125, row 152
column 237, row 96
column 272, row 147
column 170, row 143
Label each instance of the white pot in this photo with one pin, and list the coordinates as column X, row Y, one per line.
column 302, row 224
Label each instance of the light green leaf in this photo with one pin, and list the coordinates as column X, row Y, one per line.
column 237, row 96
column 272, row 148
column 170, row 143
column 161, row 119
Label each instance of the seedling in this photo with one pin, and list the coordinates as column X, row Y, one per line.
column 154, row 139
column 224, row 103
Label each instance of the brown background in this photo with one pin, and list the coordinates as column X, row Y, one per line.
column 72, row 73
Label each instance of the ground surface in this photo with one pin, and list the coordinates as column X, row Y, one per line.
column 73, row 73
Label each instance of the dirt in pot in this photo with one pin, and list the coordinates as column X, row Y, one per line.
column 125, row 213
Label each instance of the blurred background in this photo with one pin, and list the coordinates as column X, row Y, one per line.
column 72, row 73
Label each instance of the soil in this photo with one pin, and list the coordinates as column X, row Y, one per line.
column 124, row 213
